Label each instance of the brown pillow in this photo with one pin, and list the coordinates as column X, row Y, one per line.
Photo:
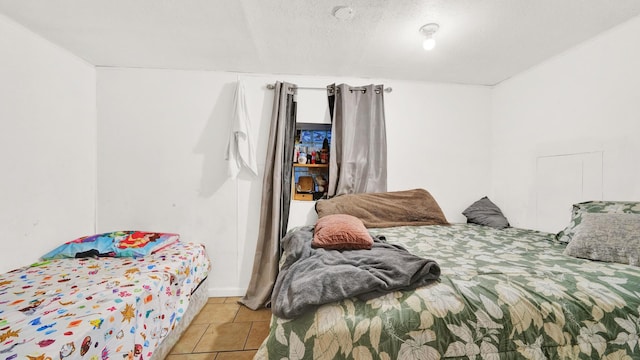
column 341, row 232
column 380, row 210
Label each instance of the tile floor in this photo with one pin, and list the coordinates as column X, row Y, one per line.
column 224, row 330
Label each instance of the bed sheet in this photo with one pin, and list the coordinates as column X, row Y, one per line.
column 97, row 308
column 503, row 294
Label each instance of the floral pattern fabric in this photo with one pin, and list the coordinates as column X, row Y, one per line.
column 97, row 308
column 503, row 294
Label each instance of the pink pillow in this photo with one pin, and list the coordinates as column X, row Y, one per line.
column 341, row 232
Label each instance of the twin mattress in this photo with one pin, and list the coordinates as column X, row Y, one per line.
column 98, row 308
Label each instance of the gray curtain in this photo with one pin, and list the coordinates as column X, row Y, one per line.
column 276, row 197
column 358, row 151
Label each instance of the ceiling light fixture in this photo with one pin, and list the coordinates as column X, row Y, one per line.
column 428, row 31
column 343, row 13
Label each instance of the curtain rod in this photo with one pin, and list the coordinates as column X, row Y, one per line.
column 271, row 87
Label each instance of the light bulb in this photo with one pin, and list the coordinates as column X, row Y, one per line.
column 429, row 43
column 428, row 31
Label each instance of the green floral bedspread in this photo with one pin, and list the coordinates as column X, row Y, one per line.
column 503, row 294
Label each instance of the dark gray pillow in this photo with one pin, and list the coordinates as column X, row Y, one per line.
column 485, row 212
column 607, row 237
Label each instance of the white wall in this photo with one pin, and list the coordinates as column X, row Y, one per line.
column 47, row 142
column 580, row 104
column 439, row 139
column 161, row 140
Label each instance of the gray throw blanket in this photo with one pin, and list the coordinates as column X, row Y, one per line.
column 310, row 277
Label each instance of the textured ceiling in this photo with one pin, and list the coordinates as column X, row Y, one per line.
column 480, row 41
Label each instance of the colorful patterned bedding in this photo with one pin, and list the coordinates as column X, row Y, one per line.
column 97, row 308
column 503, row 294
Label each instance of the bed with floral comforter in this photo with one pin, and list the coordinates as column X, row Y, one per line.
column 502, row 294
column 98, row 308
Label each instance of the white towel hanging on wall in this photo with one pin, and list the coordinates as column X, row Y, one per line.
column 240, row 149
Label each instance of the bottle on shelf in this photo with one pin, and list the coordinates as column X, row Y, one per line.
column 324, row 156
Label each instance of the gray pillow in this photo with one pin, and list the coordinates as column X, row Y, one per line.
column 600, row 207
column 485, row 212
column 607, row 237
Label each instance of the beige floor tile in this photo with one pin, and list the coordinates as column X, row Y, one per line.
column 246, row 314
column 201, row 356
column 232, row 300
column 216, row 300
column 189, row 339
column 224, row 337
column 236, row 355
column 257, row 334
column 216, row 313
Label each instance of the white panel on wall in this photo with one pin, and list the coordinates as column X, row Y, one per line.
column 564, row 180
